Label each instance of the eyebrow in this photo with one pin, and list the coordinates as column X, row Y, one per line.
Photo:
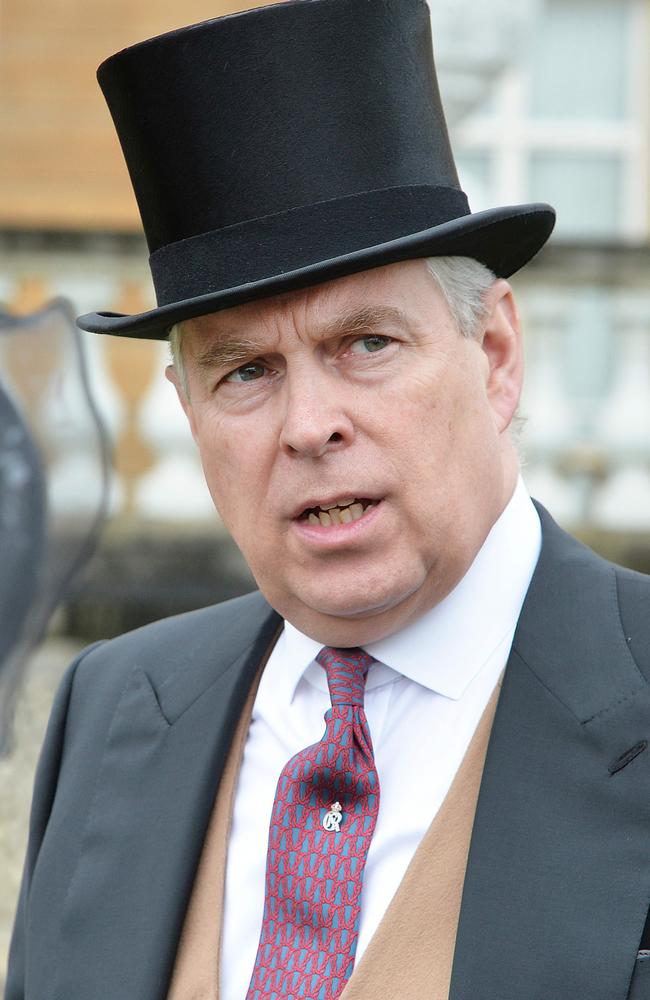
column 229, row 352
column 366, row 318
column 232, row 349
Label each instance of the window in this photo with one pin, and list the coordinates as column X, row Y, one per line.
column 578, row 61
column 569, row 123
column 585, row 190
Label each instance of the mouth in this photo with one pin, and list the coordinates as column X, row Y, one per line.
column 343, row 511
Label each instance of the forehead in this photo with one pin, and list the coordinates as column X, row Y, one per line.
column 395, row 293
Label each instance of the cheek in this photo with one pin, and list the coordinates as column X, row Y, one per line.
column 443, row 438
column 236, row 471
column 428, row 421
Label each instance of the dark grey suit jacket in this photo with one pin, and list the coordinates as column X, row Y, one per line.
column 558, row 880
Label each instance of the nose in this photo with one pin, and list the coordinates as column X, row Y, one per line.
column 315, row 420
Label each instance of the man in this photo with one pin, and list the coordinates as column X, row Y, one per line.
column 348, row 354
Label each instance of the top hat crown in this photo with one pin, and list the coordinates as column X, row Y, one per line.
column 288, row 145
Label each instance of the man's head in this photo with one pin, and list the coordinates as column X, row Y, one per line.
column 363, row 389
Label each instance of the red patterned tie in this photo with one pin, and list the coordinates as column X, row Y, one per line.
column 323, row 819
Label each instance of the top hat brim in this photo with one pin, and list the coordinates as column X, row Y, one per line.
column 504, row 239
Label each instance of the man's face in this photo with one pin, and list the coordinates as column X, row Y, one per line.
column 357, row 403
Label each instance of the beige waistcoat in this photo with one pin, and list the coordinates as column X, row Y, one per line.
column 410, row 954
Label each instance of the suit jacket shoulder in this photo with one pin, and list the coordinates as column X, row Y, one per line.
column 583, row 628
column 558, row 879
column 115, row 770
column 211, row 636
column 634, row 603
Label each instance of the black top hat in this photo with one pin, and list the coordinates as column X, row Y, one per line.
column 292, row 144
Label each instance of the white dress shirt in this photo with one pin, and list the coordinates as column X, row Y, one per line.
column 423, row 700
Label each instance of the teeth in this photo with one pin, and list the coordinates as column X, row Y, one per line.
column 344, row 513
column 341, row 503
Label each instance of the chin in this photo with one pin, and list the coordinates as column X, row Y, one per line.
column 352, row 629
column 355, row 605
column 349, row 621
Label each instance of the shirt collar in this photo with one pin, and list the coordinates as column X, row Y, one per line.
column 445, row 648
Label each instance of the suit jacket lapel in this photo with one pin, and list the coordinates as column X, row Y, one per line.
column 160, row 770
column 558, row 877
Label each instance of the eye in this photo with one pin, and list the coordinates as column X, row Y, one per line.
column 370, row 344
column 246, row 373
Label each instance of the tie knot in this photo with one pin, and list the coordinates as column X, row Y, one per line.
column 346, row 671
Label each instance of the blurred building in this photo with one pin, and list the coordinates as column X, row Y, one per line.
column 553, row 106
column 570, row 124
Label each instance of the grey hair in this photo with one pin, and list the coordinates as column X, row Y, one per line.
column 464, row 282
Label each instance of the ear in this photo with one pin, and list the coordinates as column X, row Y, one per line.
column 172, row 375
column 502, row 345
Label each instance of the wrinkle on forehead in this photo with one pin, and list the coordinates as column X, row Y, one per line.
column 368, row 301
